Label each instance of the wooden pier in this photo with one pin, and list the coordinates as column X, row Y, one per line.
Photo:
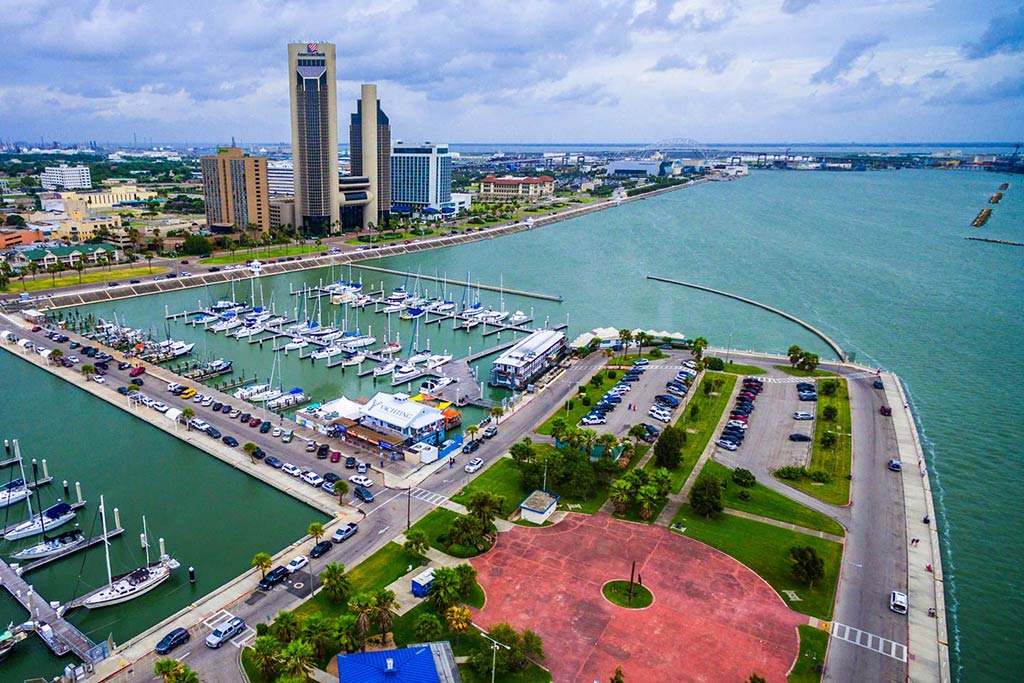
column 460, row 283
column 26, row 568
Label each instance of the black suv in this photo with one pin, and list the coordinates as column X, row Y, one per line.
column 323, row 451
column 273, row 577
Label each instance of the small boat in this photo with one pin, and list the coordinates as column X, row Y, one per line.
column 295, row 344
column 389, row 348
column 433, row 385
column 292, row 398
column 50, row 546
column 359, row 341
column 495, row 317
column 248, row 331
column 205, row 318
column 244, row 393
column 397, row 295
column 9, row 637
column 174, row 349
column 353, row 360
column 437, row 360
column 219, row 366
column 393, row 308
column 125, row 587
column 54, row 516
column 518, row 318
column 404, row 373
column 470, row 323
column 266, row 395
column 326, row 352
column 384, row 368
column 419, row 357
column 361, row 301
column 413, row 313
column 441, row 307
column 14, row 492
column 224, row 305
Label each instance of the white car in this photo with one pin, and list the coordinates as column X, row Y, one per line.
column 660, row 416
column 474, row 465
column 297, row 563
column 160, row 407
column 199, row 398
column 73, row 359
column 898, row 602
column 727, row 445
column 737, row 423
column 689, row 364
column 291, row 469
column 593, row 420
column 172, row 386
column 803, row 416
column 361, row 480
column 148, row 402
column 312, row 478
column 207, row 402
column 99, row 379
column 277, row 432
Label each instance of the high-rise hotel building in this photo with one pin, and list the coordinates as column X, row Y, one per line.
column 235, row 190
column 314, row 110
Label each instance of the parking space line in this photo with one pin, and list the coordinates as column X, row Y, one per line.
column 243, row 638
column 869, row 641
column 218, row 617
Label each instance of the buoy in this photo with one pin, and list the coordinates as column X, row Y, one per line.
column 191, row 574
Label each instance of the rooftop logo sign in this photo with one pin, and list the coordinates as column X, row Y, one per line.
column 312, row 48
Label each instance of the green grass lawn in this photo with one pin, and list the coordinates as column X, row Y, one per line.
column 573, row 415
column 617, row 592
column 765, row 549
column 709, row 412
column 813, row 644
column 625, row 362
column 436, row 524
column 502, row 479
column 837, row 461
column 262, row 254
column 251, row 670
column 70, row 277
column 392, row 237
column 531, row 674
column 789, row 370
column 768, row 503
column 378, row 570
column 740, row 369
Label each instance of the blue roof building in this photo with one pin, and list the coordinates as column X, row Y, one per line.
column 424, row 663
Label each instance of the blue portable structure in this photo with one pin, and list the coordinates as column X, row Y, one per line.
column 422, row 583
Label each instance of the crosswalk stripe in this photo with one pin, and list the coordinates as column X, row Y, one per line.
column 869, row 641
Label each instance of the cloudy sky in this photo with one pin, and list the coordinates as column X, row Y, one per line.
column 524, row 71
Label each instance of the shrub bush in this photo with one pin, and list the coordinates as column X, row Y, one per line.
column 820, row 476
column 612, row 374
column 585, row 400
column 744, row 477
column 790, row 472
column 828, row 387
column 744, row 495
column 716, row 364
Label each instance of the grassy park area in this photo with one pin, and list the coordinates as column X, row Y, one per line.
column 837, row 460
column 71, row 277
column 740, row 369
column 797, row 372
column 243, row 255
column 813, row 644
column 502, row 479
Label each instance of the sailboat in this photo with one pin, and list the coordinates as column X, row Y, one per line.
column 384, row 368
column 14, row 492
column 125, row 587
column 52, row 517
column 270, row 392
column 244, row 393
column 51, row 545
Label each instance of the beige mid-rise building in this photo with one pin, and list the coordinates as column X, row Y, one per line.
column 235, row 190
column 312, row 85
column 516, row 188
column 96, row 200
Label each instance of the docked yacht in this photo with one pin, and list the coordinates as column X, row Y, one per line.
column 248, row 331
column 431, row 386
column 229, row 321
column 469, row 323
column 14, row 492
column 404, row 373
column 441, row 307
column 51, row 545
column 419, row 357
column 413, row 313
column 326, row 352
column 354, row 359
column 357, row 341
column 437, row 360
column 175, row 349
column 219, row 366
column 295, row 344
column 52, row 517
column 384, row 368
column 518, row 318
column 397, row 295
column 292, row 398
column 393, row 308
column 245, row 393
column 265, row 395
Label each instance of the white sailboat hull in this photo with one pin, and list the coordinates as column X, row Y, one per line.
column 121, row 591
column 12, row 497
column 34, row 526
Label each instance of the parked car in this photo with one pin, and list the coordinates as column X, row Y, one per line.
column 321, row 549
column 895, row 465
column 799, row 437
column 287, row 436
column 350, row 463
column 803, row 416
column 322, row 451
column 245, row 417
column 593, row 420
column 885, row 410
column 213, row 431
column 273, row 462
column 335, row 456
column 344, row 533
column 470, row 446
column 178, row 636
column 363, row 494
column 727, row 445
column 490, row 432
column 310, row 446
column 136, row 371
column 312, row 478
column 291, row 469
column 273, row 577
column 225, row 632
column 231, row 441
column 474, row 465
column 877, row 384
column 361, row 480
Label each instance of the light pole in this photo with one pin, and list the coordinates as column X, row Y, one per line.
column 495, row 646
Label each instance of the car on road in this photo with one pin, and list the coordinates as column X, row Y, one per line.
column 99, row 379
column 877, row 384
column 178, row 636
column 640, row 362
column 273, row 577
column 291, row 469
column 799, row 437
column 231, row 441
column 265, row 427
column 898, row 602
column 727, row 445
column 885, row 410
column 474, row 465
column 322, row 451
column 490, row 432
column 273, row 462
column 895, row 465
column 803, row 416
column 310, row 446
column 364, row 494
column 361, row 480
column 136, row 371
column 321, row 549
column 225, row 632
column 245, row 417
column 287, row 436
column 471, row 446
column 234, row 413
column 277, row 432
column 344, row 533
column 297, row 563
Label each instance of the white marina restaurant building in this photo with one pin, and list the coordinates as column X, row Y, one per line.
column 388, row 422
column 527, row 360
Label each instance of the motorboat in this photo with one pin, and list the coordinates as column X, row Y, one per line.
column 52, row 517
column 419, row 357
column 14, row 492
column 518, row 318
column 384, row 368
column 431, row 386
column 295, row 344
column 245, row 393
column 326, row 352
column 51, row 545
column 397, row 295
column 441, row 307
column 495, row 317
column 321, row 332
column 404, row 373
column 175, row 349
column 470, row 323
column 226, row 325
column 223, row 305
column 205, row 318
column 265, row 395
column 355, row 359
column 437, row 360
column 11, row 636
column 413, row 313
column 125, row 587
column 292, row 398
column 219, row 366
column 361, row 301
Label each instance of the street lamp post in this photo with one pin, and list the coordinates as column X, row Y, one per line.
column 495, row 646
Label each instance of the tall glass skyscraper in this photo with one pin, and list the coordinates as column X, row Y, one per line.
column 314, row 109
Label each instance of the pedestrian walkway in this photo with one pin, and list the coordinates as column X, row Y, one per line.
column 928, row 639
column 881, row 645
column 785, row 525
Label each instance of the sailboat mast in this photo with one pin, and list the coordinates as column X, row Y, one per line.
column 39, row 503
column 21, row 464
column 106, row 543
column 145, row 535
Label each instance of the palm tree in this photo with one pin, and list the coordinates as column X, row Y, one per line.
column 340, row 489
column 286, row 626
column 588, row 437
column 458, row 619
column 149, row 259
column 643, row 339
column 87, row 371
column 697, row 347
column 266, row 655
column 166, row 668
column 362, row 606
column 625, row 336
column 318, row 632
column 472, row 431
column 346, row 634
column 186, row 675
column 638, row 432
column 485, row 507
column 262, row 561
column 296, row 658
column 250, row 449
column 384, row 602
column 609, row 442
column 497, row 412
column 316, row 530
column 55, row 355
column 647, row 498
column 188, row 413
column 428, row 628
column 79, row 266
column 335, row 581
column 558, row 427
column 620, row 494
column 445, row 588
column 662, row 481
column 33, row 268
column 416, row 541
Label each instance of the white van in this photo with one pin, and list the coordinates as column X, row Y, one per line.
column 898, row 602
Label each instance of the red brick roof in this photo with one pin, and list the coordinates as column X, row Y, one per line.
column 518, row 181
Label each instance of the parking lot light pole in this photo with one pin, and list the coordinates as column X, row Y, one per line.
column 495, row 646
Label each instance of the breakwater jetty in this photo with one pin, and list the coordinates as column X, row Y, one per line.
column 986, row 239
column 771, row 309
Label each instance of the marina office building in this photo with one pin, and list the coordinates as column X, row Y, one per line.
column 314, row 118
column 421, row 176
column 530, row 358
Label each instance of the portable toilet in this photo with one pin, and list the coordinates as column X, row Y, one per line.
column 422, row 582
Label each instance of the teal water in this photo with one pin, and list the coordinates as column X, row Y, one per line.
column 875, row 260
column 212, row 517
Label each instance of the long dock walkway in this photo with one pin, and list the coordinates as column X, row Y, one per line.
column 65, row 637
column 771, row 309
column 460, row 283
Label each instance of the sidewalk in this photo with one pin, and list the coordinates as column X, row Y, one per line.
column 928, row 642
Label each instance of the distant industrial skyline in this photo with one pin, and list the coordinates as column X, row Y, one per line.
column 761, row 71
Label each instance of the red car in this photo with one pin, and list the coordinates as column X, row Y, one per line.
column 36, row 328
column 335, row 456
column 135, row 372
column 255, row 422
